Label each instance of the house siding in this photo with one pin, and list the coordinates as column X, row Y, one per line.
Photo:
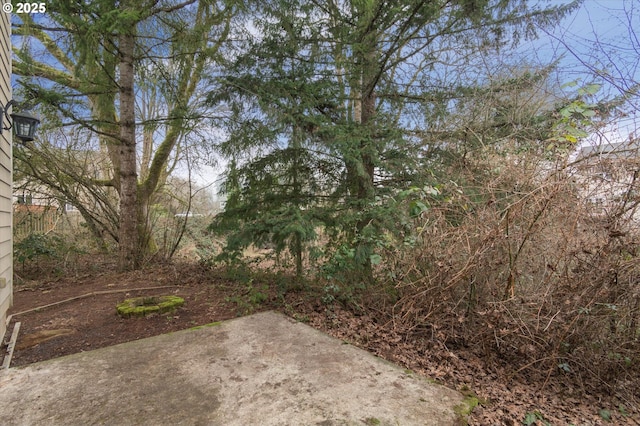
column 6, row 243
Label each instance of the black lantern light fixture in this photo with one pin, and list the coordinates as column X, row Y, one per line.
column 24, row 124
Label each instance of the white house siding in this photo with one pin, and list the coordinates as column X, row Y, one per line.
column 6, row 258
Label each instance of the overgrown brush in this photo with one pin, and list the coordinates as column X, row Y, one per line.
column 515, row 262
column 45, row 254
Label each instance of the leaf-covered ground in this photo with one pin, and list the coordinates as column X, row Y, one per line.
column 80, row 315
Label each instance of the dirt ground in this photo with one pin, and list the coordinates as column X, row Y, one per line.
column 76, row 312
column 84, row 316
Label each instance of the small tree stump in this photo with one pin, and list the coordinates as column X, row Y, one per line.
column 147, row 305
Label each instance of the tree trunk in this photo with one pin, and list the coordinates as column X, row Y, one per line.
column 129, row 253
column 362, row 172
column 297, row 198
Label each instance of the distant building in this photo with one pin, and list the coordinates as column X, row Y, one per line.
column 39, row 209
column 609, row 177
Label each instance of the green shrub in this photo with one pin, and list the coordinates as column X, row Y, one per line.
column 35, row 246
column 38, row 248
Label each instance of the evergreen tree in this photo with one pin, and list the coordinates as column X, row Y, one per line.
column 358, row 79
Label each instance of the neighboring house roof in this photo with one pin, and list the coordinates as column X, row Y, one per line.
column 614, row 151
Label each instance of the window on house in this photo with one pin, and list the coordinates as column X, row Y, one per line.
column 25, row 199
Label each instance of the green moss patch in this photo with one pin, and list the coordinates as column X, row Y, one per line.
column 211, row 324
column 464, row 409
column 143, row 306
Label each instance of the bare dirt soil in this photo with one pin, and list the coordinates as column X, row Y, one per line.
column 76, row 312
column 83, row 315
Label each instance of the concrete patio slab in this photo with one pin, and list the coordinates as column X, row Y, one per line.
column 264, row 369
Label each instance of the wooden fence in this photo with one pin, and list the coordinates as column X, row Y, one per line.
column 34, row 219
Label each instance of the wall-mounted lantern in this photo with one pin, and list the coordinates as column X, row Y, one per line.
column 24, row 124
